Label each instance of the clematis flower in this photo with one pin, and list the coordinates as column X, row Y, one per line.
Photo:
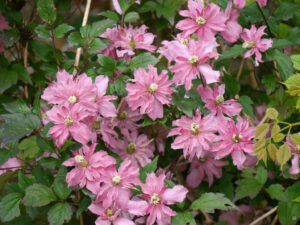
column 235, row 140
column 88, row 165
column 112, row 34
column 159, row 196
column 193, row 60
column 204, row 21
column 295, row 150
column 196, row 135
column 68, row 120
column 215, row 103
column 68, row 91
column 205, row 168
column 12, row 164
column 149, row 91
column 116, row 184
column 233, row 28
column 136, row 148
column 254, row 42
column 241, row 3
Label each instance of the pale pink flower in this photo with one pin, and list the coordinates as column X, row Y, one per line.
column 193, row 60
column 205, row 168
column 112, row 34
column 149, row 91
column 195, row 135
column 12, row 164
column 132, row 39
column 3, row 23
column 236, row 139
column 254, row 42
column 68, row 120
column 295, row 150
column 215, row 103
column 239, row 4
column 159, row 196
column 204, row 21
column 136, row 148
column 68, row 91
column 114, row 184
column 262, row 3
column 88, row 166
column 106, row 108
column 117, row 5
column 233, row 28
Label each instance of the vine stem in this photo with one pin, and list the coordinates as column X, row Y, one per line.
column 241, row 69
column 25, row 61
column 264, row 216
column 78, row 51
column 263, row 15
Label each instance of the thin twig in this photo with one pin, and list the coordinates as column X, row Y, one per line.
column 263, row 15
column 241, row 69
column 25, row 59
column 80, row 215
column 264, row 216
column 78, row 51
column 275, row 220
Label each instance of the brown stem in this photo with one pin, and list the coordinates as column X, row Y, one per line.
column 275, row 220
column 80, row 215
column 241, row 69
column 264, row 216
column 25, row 66
column 263, row 15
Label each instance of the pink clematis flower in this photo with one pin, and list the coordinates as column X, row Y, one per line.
column 214, row 101
column 68, row 120
column 204, row 21
column 12, row 164
column 116, row 184
column 295, row 150
column 233, row 28
column 159, row 196
column 112, row 34
column 235, row 140
column 136, row 148
column 262, row 3
column 205, row 168
column 254, row 42
column 69, row 92
column 241, row 3
column 88, row 165
column 193, row 60
column 196, row 135
column 149, row 92
column 3, row 23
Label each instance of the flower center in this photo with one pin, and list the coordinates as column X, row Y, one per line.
column 297, row 149
column 131, row 148
column 202, row 159
column 195, row 129
column 132, row 43
column 219, row 100
column 194, row 60
column 152, row 88
column 69, row 121
column 155, row 199
column 116, row 180
column 96, row 125
column 249, row 44
column 109, row 213
column 81, row 160
column 122, row 115
column 236, row 138
column 184, row 41
column 45, row 116
column 200, row 20
column 72, row 99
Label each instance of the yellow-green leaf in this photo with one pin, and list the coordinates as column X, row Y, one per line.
column 262, row 130
column 260, row 150
column 272, row 113
column 278, row 137
column 296, row 138
column 272, row 150
column 283, row 155
column 275, row 130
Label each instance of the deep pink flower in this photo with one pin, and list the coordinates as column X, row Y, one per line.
column 114, row 184
column 254, row 42
column 149, row 91
column 68, row 91
column 12, row 164
column 136, row 148
column 239, row 4
column 205, row 168
column 215, row 103
column 233, row 28
column 88, row 166
column 68, row 120
column 204, row 21
column 193, row 60
column 295, row 150
column 112, row 34
column 195, row 135
column 159, row 196
column 236, row 139
column 3, row 23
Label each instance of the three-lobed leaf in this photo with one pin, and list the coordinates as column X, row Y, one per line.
column 38, row 195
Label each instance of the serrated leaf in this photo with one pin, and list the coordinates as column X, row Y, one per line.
column 283, row 155
column 183, row 218
column 61, row 30
column 9, row 206
column 293, row 84
column 96, row 44
column 272, row 113
column 125, row 4
column 7, row 79
column 285, row 10
column 276, row 191
column 260, row 150
column 110, row 15
column 10, row 37
column 29, row 147
column 60, row 186
column 278, row 137
column 246, row 102
column 288, row 213
column 75, row 39
column 275, row 130
column 24, row 181
column 4, row 156
column 283, row 62
column 42, row 31
column 272, row 150
column 47, row 11
column 208, row 202
column 38, row 195
column 262, row 130
column 296, row 61
column 142, row 60
column 83, row 206
column 296, row 138
column 233, row 52
column 59, row 214
column 18, row 106
column 149, row 168
column 131, row 17
column 107, row 63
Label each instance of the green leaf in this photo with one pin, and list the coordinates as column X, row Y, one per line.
column 283, row 155
column 231, row 84
column 142, row 60
column 285, row 10
column 283, row 62
column 233, row 52
column 61, row 30
column 107, row 63
column 22, row 73
column 38, row 195
column 125, row 4
column 272, row 113
column 131, row 17
column 293, row 84
column 59, row 214
column 96, row 44
column 281, row 43
column 7, row 79
column 149, row 168
column 83, row 206
column 18, row 106
column 208, row 202
column 100, row 27
column 42, row 31
column 24, row 181
column 60, row 186
column 43, row 176
column 260, row 150
column 47, row 11
column 10, row 37
column 9, row 206
column 29, row 147
column 147, row 121
column 49, row 162
column 246, row 102
column 6, row 177
column 269, row 82
column 186, row 105
column 276, row 191
column 75, row 39
column 4, row 156
column 296, row 61
column 183, row 218
column 296, row 138
column 288, row 213
column 262, row 130
column 110, row 15
column 42, row 50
